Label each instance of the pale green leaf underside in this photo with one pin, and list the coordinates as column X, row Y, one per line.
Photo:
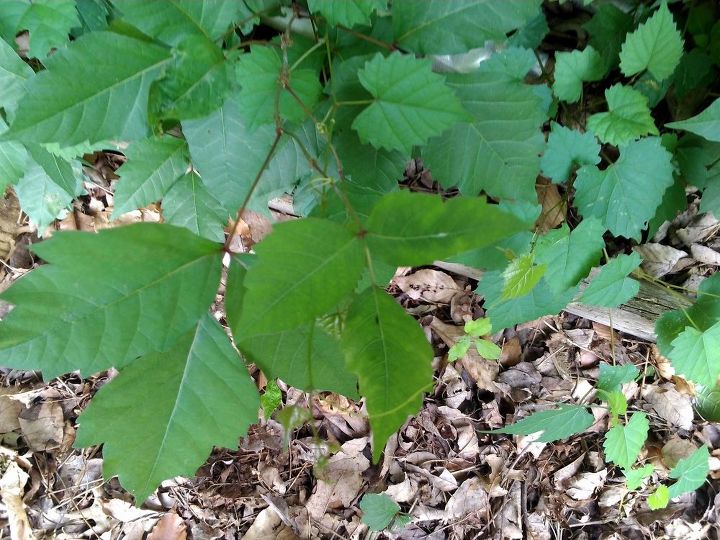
column 612, row 286
column 60, row 105
column 624, row 442
column 521, row 276
column 152, row 167
column 411, row 103
column 389, row 353
column 574, row 68
column 626, row 194
column 628, row 117
column 100, row 304
column 659, row 498
column 690, row 472
column 164, row 413
column 696, row 354
column 304, row 269
column 555, row 424
column 706, row 124
column 567, row 148
column 348, row 12
column 410, row 229
column 189, row 204
column 656, row 45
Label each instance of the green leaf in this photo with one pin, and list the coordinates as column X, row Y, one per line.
column 634, row 477
column 617, row 403
column 521, row 276
column 555, row 424
column 607, row 30
column 690, row 472
column 478, row 327
column 327, row 262
column 625, row 195
column 628, row 117
column 567, row 147
column 164, row 413
column 656, row 45
column 49, row 23
column 623, row 443
column 498, row 151
column 379, row 511
column 411, row 103
column 694, row 71
column 459, row 349
column 100, row 304
column 411, row 229
column 171, row 21
column 696, row 354
column 531, row 35
column 214, row 141
column 11, row 11
column 570, row 255
column 48, row 186
column 13, row 160
column 307, row 358
column 574, row 68
column 612, row 378
column 487, row 349
column 659, row 498
column 347, row 13
column 195, row 83
column 259, row 74
column 153, row 165
column 14, row 74
column 389, row 353
column 189, row 204
column 93, row 14
column 422, row 27
column 706, row 124
column 612, row 286
column 270, row 399
column 60, row 105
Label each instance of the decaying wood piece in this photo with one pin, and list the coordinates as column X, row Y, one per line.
column 635, row 318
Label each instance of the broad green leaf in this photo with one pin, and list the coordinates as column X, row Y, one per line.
column 48, row 186
column 270, row 399
column 567, row 148
column 459, row 349
column 259, row 75
column 411, row 103
column 572, row 69
column 656, row 45
column 304, row 269
column 623, row 442
column 673, row 202
column 617, row 403
column 706, row 124
column 698, row 160
column 153, row 165
column 189, row 204
column 694, row 71
column 478, row 327
column 195, row 83
column 612, row 378
column 171, row 21
column 555, row 424
column 531, row 35
column 625, row 195
column 93, row 14
column 498, row 152
column 214, row 142
column 696, row 354
column 347, row 13
column 628, row 117
column 378, row 510
column 62, row 106
column 487, row 349
column 99, row 303
column 411, row 229
column 164, row 413
column 659, row 498
column 612, row 286
column 14, row 74
column 690, row 472
column 11, row 11
column 13, row 160
column 634, row 477
column 541, row 300
column 607, row 30
column 422, row 27
column 521, row 276
column 307, row 358
column 570, row 255
column 389, row 353
column 49, row 23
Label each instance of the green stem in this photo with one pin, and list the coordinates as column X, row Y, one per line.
column 307, row 53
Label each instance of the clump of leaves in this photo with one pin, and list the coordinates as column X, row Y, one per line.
column 220, row 117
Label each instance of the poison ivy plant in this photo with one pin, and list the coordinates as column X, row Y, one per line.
column 215, row 115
